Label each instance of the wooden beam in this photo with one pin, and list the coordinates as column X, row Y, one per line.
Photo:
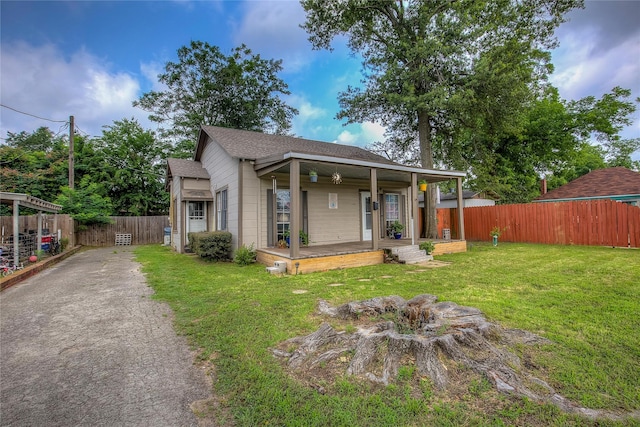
column 460, row 210
column 375, row 217
column 295, row 210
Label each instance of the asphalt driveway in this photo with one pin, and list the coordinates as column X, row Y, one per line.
column 82, row 343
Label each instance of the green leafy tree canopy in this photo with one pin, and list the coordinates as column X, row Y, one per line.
column 206, row 87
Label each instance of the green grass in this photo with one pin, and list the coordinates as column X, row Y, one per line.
column 585, row 299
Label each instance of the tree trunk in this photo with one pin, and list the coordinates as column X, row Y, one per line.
column 430, row 229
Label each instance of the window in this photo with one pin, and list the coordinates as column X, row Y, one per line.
column 391, row 209
column 283, row 212
column 221, row 202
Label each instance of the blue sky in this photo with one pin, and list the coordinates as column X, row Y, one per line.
column 91, row 59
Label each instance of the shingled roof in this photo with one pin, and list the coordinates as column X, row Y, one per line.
column 256, row 145
column 186, row 169
column 600, row 183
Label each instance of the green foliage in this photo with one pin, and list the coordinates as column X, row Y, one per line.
column 212, row 246
column 397, row 226
column 245, row 255
column 496, row 231
column 206, row 87
column 85, row 205
column 133, row 169
column 125, row 165
column 304, row 236
column 427, row 246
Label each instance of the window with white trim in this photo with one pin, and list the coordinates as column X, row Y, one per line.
column 221, row 204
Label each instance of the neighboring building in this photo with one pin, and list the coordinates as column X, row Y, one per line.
column 470, row 199
column 619, row 183
column 240, row 181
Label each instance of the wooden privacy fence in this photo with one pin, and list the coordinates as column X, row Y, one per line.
column 594, row 223
column 29, row 224
column 143, row 230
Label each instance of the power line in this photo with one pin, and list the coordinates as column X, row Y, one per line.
column 33, row 115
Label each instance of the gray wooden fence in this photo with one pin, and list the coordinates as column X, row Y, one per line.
column 143, row 229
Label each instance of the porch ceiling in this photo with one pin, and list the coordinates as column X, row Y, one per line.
column 351, row 169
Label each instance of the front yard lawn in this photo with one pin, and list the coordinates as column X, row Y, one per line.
column 586, row 300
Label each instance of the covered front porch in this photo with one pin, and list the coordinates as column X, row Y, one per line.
column 344, row 216
column 346, row 255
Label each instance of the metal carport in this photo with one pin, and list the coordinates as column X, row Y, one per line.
column 17, row 200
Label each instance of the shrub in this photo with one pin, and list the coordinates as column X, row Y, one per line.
column 245, row 255
column 213, row 246
column 428, row 247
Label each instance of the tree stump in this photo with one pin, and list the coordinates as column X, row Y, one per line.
column 429, row 334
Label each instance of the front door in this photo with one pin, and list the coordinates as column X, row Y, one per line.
column 197, row 217
column 367, row 222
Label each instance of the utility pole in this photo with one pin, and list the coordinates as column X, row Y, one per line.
column 71, row 166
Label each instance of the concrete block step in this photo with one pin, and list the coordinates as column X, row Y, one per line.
column 402, row 249
column 417, row 259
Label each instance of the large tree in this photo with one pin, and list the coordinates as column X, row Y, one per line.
column 133, row 170
column 558, row 139
column 438, row 66
column 206, row 87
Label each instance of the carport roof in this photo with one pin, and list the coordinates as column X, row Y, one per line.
column 29, row 202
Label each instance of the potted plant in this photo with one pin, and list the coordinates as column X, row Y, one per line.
column 397, row 228
column 428, row 247
column 495, row 233
column 313, row 176
column 304, row 237
column 422, row 185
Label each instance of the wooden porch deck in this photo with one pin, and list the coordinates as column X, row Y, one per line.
column 346, row 255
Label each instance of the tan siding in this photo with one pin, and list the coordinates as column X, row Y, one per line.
column 196, row 184
column 333, row 225
column 250, row 205
column 223, row 170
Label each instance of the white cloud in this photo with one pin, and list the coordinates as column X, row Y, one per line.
column 42, row 81
column 361, row 134
column 272, row 28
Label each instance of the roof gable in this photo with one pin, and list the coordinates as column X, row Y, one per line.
column 256, row 145
column 618, row 181
column 186, row 169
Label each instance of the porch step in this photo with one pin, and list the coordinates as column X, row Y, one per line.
column 411, row 254
column 279, row 267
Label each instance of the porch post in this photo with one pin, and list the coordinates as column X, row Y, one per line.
column 39, row 235
column 460, row 210
column 375, row 217
column 16, row 232
column 414, row 208
column 294, row 220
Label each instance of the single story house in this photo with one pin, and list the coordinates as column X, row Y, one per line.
column 619, row 183
column 241, row 181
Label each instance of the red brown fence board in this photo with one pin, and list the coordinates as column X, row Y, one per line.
column 593, row 222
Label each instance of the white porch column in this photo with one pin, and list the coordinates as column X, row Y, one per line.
column 460, row 210
column 375, row 217
column 414, row 209
column 16, row 232
column 39, row 235
column 295, row 211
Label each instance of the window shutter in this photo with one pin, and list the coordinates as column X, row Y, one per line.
column 270, row 219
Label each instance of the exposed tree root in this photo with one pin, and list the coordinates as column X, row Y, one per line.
column 431, row 334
